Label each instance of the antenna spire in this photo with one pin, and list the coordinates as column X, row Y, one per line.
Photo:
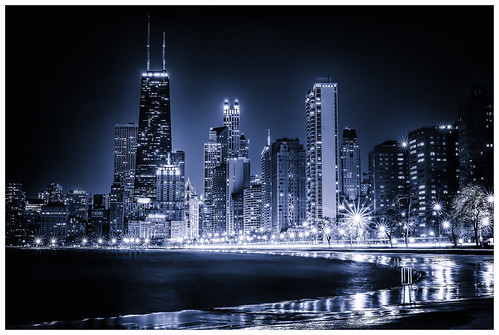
column 164, row 58
column 148, row 60
column 268, row 137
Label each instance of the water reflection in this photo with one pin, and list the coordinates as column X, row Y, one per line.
column 444, row 278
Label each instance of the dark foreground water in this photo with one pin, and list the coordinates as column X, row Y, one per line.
column 170, row 289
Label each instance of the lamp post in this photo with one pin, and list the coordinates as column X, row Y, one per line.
column 437, row 208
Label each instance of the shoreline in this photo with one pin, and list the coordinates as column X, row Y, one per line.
column 289, row 248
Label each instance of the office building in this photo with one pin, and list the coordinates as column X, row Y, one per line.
column 125, row 152
column 117, row 209
column 170, row 190
column 350, row 177
column 266, row 180
column 476, row 139
column 154, row 136
column 238, row 178
column 54, row 221
column 252, row 202
column 433, row 172
column 288, row 184
column 192, row 203
column 231, row 118
column 389, row 175
column 322, row 186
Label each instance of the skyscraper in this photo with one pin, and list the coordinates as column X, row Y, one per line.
column 215, row 156
column 154, row 140
column 170, row 191
column 433, row 165
column 476, row 139
column 266, row 211
column 238, row 177
column 389, row 175
column 232, row 117
column 350, row 178
column 191, row 211
column 125, row 151
column 252, row 205
column 117, row 208
column 287, row 184
column 321, row 105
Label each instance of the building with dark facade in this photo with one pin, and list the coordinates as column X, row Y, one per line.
column 125, row 152
column 117, row 224
column 154, row 137
column 266, row 180
column 350, row 176
column 433, row 172
column 284, row 164
column 388, row 174
column 476, row 139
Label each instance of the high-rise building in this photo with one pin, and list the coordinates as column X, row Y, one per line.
column 287, row 184
column 117, row 208
column 54, row 221
column 78, row 204
column 232, row 117
column 238, row 177
column 252, row 199
column 170, row 192
column 191, row 211
column 322, row 147
column 243, row 146
column 350, row 177
column 223, row 200
column 15, row 204
column 215, row 155
column 389, row 175
column 154, row 137
column 476, row 139
column 54, row 193
column 433, row 172
column 125, row 151
column 266, row 179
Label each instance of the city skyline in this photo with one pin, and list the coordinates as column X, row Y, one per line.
column 72, row 157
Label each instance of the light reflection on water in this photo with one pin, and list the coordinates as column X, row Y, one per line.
column 445, row 278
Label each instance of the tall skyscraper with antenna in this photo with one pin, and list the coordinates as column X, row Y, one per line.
column 154, row 138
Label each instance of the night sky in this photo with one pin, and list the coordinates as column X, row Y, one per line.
column 72, row 73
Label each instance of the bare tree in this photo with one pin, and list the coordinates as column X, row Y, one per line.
column 471, row 207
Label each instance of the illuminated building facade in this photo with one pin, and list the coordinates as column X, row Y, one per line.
column 238, row 177
column 154, row 137
column 388, row 174
column 286, row 168
column 252, row 200
column 266, row 179
column 321, row 105
column 350, row 177
column 117, row 208
column 433, row 171
column 476, row 139
column 125, row 152
column 231, row 118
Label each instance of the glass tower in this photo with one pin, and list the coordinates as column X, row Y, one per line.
column 154, row 140
column 321, row 105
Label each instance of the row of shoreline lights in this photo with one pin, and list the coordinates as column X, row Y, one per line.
column 84, row 241
column 356, row 215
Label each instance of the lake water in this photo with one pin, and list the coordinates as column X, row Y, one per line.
column 178, row 289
